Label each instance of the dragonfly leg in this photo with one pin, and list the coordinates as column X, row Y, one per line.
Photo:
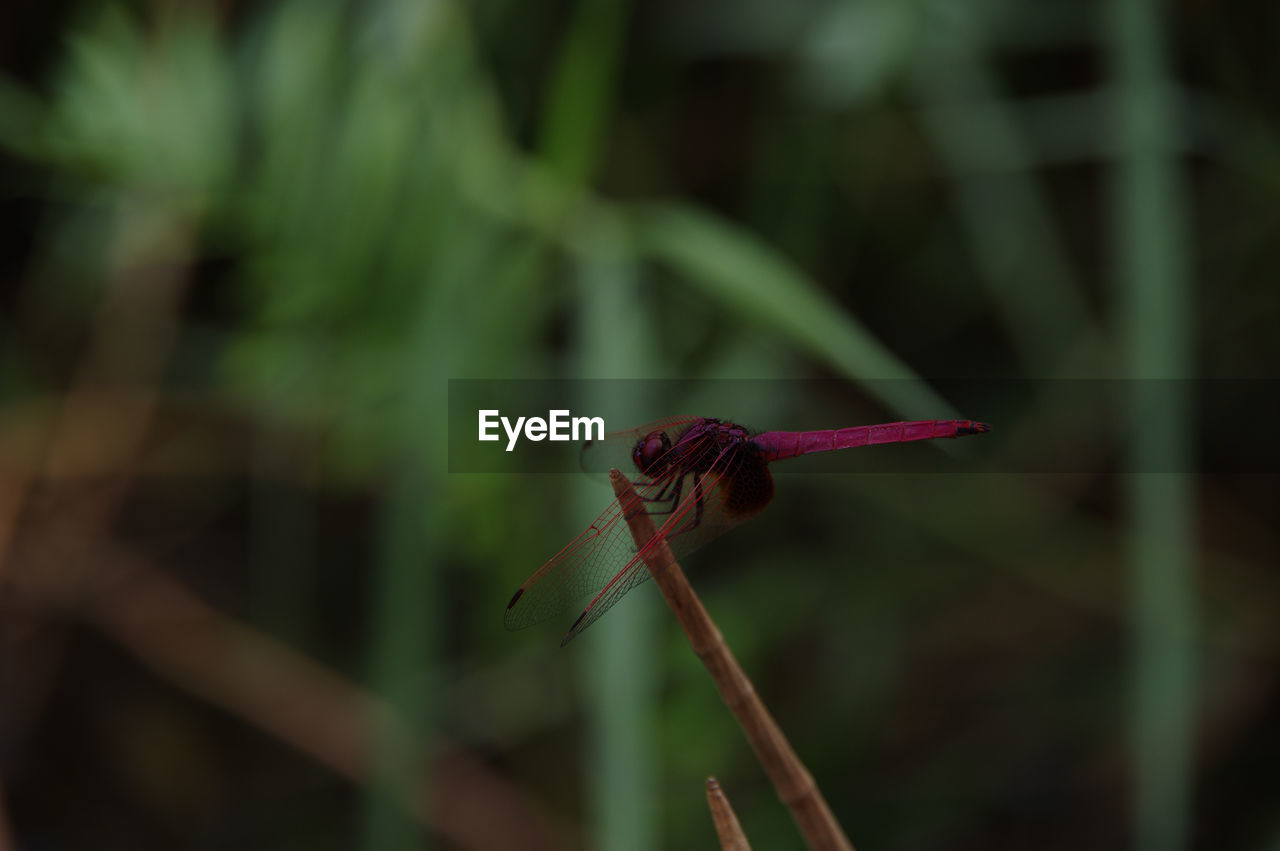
column 698, row 500
column 670, row 501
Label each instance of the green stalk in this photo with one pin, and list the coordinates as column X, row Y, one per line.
column 1152, row 239
column 582, row 89
column 402, row 655
column 622, row 679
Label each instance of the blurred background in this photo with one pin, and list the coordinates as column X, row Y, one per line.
column 245, row 604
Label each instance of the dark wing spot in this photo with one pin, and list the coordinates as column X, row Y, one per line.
column 749, row 486
column 569, row 636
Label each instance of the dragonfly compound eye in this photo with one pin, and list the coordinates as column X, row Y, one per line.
column 650, row 452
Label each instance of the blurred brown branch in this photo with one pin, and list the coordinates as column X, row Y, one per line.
column 282, row 692
column 794, row 783
column 129, row 345
column 67, row 466
column 130, row 340
column 728, row 829
column 303, row 704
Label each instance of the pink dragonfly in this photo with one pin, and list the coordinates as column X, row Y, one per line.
column 698, row 477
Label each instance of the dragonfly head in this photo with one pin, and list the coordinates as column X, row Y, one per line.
column 651, row 453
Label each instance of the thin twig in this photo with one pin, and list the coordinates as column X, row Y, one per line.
column 794, row 783
column 728, row 828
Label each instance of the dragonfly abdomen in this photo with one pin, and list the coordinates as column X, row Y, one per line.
column 776, row 445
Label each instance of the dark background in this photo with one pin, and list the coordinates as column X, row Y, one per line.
column 244, row 247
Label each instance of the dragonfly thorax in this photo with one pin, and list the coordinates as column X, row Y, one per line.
column 693, row 450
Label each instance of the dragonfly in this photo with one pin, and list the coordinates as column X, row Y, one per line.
column 698, row 477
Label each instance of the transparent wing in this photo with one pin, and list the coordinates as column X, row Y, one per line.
column 602, row 564
column 681, row 535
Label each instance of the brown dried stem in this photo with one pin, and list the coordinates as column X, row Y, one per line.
column 727, row 827
column 268, row 685
column 305, row 706
column 794, row 783
column 130, row 340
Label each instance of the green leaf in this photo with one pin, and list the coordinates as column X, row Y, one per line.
column 747, row 276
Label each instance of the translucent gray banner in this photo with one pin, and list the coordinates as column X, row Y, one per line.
column 1211, row 426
